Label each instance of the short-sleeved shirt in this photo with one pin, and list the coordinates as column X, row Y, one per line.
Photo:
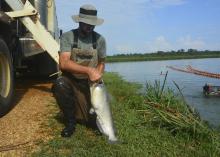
column 67, row 41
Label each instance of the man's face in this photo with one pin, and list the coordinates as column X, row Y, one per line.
column 85, row 29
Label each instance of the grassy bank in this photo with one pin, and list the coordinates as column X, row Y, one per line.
column 163, row 56
column 144, row 128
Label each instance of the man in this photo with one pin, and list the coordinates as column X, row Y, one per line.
column 82, row 61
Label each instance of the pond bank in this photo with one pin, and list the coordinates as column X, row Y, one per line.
column 140, row 137
column 162, row 56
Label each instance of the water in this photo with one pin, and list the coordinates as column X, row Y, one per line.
column 191, row 85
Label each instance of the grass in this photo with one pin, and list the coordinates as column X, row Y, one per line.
column 162, row 56
column 137, row 128
column 164, row 108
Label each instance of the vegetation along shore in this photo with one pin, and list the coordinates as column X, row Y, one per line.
column 155, row 123
column 161, row 55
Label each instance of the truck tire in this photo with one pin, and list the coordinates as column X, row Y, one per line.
column 6, row 78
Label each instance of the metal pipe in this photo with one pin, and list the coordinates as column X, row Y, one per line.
column 41, row 6
column 15, row 4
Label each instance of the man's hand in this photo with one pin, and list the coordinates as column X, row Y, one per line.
column 94, row 74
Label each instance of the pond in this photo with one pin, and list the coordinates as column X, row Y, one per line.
column 190, row 84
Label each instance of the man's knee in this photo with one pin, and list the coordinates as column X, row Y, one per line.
column 61, row 86
column 63, row 93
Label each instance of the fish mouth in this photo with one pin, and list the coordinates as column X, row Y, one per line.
column 98, row 84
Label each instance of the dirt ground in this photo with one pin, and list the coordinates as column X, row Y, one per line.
column 21, row 128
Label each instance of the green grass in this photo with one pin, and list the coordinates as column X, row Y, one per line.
column 133, row 120
column 164, row 56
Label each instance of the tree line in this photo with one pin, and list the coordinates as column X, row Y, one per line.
column 164, row 55
column 180, row 51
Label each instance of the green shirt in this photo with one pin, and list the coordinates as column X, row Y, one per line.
column 67, row 41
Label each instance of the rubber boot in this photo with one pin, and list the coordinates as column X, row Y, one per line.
column 69, row 124
column 64, row 96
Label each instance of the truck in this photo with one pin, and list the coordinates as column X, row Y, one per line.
column 29, row 43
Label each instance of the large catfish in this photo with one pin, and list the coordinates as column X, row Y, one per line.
column 100, row 104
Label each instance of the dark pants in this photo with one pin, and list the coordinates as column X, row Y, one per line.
column 73, row 97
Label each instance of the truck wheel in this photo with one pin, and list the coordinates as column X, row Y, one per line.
column 6, row 79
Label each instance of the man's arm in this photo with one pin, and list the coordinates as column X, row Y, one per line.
column 66, row 64
column 101, row 65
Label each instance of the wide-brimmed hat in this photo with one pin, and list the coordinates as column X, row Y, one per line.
column 88, row 15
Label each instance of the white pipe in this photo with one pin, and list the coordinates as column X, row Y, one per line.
column 15, row 4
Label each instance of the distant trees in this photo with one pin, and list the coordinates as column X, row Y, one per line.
column 192, row 50
column 162, row 55
column 181, row 50
column 167, row 53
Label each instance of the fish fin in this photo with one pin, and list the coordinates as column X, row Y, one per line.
column 99, row 126
column 109, row 97
column 115, row 141
column 92, row 111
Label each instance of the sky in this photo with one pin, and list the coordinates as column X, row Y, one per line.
column 148, row 26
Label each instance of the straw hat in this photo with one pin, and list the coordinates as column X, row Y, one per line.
column 88, row 15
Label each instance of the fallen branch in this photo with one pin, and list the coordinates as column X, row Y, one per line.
column 16, row 146
column 190, row 69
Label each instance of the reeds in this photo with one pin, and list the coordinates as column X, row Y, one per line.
column 166, row 109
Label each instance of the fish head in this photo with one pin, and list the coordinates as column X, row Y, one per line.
column 96, row 85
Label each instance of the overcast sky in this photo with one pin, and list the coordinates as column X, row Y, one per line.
column 145, row 26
